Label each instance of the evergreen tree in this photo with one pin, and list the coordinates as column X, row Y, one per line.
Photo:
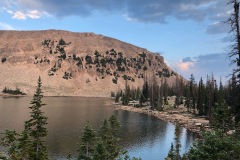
column 10, row 140
column 201, row 98
column 29, row 144
column 235, row 55
column 209, row 98
column 171, row 153
column 100, row 151
column 113, row 147
column 192, row 89
column 215, row 146
column 188, row 99
column 165, row 91
column 145, row 94
column 87, row 148
column 177, row 89
column 222, row 119
column 36, row 126
column 233, row 21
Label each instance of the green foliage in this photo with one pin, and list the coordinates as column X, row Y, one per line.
column 4, row 59
column 103, row 144
column 62, row 42
column 118, row 95
column 115, row 80
column 87, row 147
column 171, row 153
column 221, row 118
column 201, row 98
column 35, row 127
column 215, row 146
column 88, row 59
column 29, row 144
column 13, row 92
column 145, row 94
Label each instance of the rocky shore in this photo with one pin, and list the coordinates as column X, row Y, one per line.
column 180, row 115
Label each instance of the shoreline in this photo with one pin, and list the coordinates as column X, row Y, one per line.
column 186, row 120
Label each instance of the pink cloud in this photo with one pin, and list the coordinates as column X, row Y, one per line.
column 184, row 66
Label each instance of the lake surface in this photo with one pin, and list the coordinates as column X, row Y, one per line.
column 142, row 135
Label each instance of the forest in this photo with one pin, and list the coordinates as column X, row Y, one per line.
column 218, row 103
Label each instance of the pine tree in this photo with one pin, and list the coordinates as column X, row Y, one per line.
column 201, row 98
column 234, row 54
column 109, row 134
column 145, row 93
column 87, row 148
column 215, row 146
column 165, row 91
column 10, row 140
column 171, row 153
column 209, row 98
column 29, row 144
column 100, row 151
column 36, row 126
column 233, row 21
column 188, row 99
column 192, row 89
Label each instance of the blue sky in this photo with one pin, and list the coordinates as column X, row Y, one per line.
column 190, row 34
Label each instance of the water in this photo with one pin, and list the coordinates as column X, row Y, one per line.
column 142, row 135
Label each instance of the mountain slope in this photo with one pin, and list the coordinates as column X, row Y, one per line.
column 75, row 64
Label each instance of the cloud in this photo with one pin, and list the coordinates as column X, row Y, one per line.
column 185, row 66
column 187, row 59
column 18, row 15
column 5, row 26
column 218, row 27
column 144, row 11
column 203, row 65
column 32, row 14
column 227, row 39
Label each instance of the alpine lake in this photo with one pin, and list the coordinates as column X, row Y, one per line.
column 141, row 135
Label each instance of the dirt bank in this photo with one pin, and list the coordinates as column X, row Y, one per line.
column 179, row 115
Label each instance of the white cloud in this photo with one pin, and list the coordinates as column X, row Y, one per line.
column 33, row 14
column 5, row 26
column 19, row 15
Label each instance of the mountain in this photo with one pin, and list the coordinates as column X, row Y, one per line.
column 75, row 64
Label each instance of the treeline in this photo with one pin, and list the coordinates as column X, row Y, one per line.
column 200, row 98
column 13, row 92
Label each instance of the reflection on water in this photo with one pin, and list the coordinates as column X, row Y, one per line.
column 142, row 135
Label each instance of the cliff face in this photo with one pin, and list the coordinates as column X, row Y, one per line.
column 75, row 64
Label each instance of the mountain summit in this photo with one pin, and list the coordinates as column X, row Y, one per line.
column 75, row 64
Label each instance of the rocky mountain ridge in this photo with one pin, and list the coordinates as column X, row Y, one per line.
column 75, row 64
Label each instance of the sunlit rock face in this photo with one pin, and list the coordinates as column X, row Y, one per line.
column 76, row 64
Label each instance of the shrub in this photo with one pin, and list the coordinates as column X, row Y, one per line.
column 62, row 42
column 4, row 59
column 88, row 59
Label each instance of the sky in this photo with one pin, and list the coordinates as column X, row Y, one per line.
column 190, row 34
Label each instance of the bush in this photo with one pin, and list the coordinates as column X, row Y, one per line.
column 62, row 42
column 4, row 59
column 88, row 59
